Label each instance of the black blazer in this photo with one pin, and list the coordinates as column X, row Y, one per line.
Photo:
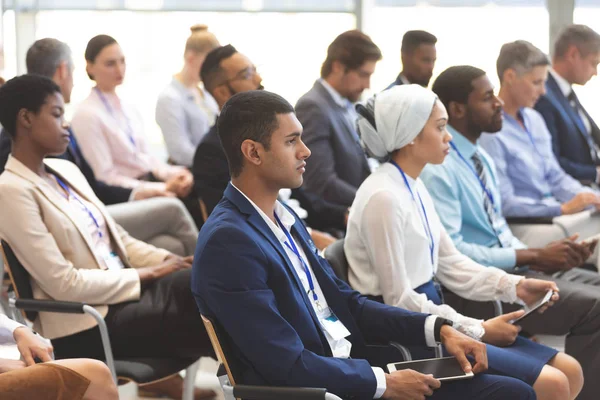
column 107, row 194
column 338, row 164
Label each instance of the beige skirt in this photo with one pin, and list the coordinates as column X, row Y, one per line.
column 43, row 382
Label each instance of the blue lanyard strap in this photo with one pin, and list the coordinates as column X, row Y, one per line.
column 292, row 246
column 70, row 193
column 485, row 189
column 424, row 219
column 129, row 132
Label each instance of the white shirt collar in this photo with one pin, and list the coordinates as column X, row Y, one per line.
column 286, row 218
column 404, row 79
column 563, row 84
column 338, row 98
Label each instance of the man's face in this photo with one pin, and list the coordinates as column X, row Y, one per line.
column 284, row 162
column 484, row 108
column 354, row 81
column 526, row 89
column 417, row 66
column 241, row 74
column 66, row 86
column 584, row 68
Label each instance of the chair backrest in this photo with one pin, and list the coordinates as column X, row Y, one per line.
column 203, row 209
column 334, row 254
column 19, row 277
column 220, row 342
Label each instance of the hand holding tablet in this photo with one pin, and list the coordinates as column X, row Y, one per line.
column 442, row 369
column 542, row 303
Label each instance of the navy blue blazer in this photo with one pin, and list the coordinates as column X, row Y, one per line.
column 568, row 133
column 242, row 277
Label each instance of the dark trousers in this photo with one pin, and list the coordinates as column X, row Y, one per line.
column 485, row 387
column 164, row 322
column 576, row 314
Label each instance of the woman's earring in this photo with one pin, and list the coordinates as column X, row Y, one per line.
column 412, row 143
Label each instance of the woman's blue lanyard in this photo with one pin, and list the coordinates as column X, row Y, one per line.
column 424, row 219
column 292, row 246
column 468, row 164
column 70, row 193
column 110, row 110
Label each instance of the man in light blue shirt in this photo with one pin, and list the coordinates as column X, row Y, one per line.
column 467, row 198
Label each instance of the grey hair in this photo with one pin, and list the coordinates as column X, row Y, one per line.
column 521, row 56
column 45, row 55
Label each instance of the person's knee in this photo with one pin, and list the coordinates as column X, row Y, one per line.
column 571, row 368
column 552, row 383
column 102, row 385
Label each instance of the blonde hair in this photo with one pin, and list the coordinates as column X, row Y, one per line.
column 201, row 40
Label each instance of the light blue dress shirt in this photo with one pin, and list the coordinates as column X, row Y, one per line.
column 532, row 183
column 182, row 121
column 458, row 197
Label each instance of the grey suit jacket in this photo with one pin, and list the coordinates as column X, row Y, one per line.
column 338, row 164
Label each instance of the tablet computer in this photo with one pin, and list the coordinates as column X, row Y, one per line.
column 443, row 369
column 544, row 301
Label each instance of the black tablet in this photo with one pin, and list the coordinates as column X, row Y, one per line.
column 544, row 301
column 443, row 369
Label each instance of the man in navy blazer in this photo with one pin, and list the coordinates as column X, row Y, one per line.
column 290, row 321
column 339, row 164
column 575, row 135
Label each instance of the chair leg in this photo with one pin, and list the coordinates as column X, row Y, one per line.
column 190, row 380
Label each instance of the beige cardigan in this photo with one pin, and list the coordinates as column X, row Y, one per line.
column 56, row 250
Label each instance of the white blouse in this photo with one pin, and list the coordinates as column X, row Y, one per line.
column 388, row 250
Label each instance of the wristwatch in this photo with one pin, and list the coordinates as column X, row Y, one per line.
column 437, row 328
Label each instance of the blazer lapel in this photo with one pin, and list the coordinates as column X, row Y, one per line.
column 556, row 96
column 260, row 225
column 337, row 111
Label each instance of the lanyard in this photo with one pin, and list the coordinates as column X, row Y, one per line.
column 89, row 212
column 292, row 246
column 424, row 221
column 485, row 189
column 129, row 131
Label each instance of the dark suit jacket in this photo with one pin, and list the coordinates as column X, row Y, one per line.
column 338, row 164
column 397, row 82
column 210, row 169
column 107, row 194
column 211, row 176
column 242, row 277
column 568, row 133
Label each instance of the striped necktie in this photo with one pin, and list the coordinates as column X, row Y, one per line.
column 487, row 203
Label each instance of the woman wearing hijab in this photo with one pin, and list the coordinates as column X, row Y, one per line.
column 397, row 247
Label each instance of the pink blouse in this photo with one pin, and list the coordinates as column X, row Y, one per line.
column 110, row 134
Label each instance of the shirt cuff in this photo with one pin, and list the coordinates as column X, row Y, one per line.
column 381, row 382
column 7, row 329
column 132, row 195
column 430, row 331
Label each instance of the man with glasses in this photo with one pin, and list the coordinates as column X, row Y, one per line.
column 338, row 164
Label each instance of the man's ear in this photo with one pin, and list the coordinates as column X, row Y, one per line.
column 456, row 110
column 62, row 71
column 251, row 151
column 509, row 76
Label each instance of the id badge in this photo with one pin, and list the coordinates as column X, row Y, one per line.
column 333, row 326
column 112, row 261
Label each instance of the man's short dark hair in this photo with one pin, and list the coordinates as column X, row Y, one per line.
column 249, row 115
column 211, row 73
column 521, row 56
column 23, row 92
column 45, row 55
column 413, row 39
column 352, row 49
column 583, row 37
column 456, row 84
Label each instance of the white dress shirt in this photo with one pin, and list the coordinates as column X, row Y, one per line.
column 340, row 348
column 7, row 329
column 388, row 250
